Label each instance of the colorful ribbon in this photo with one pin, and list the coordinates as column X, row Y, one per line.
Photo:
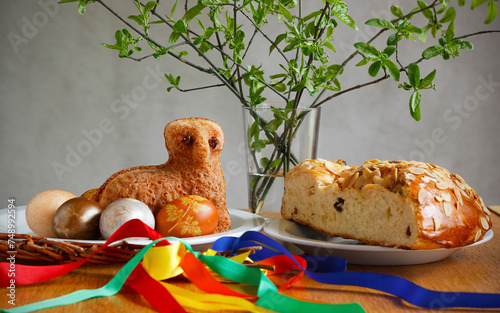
column 328, row 270
column 162, row 260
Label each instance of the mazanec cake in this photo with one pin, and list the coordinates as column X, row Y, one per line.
column 404, row 204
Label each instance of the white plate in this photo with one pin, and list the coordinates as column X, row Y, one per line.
column 241, row 222
column 355, row 252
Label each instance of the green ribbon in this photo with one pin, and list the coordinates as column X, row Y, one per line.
column 270, row 298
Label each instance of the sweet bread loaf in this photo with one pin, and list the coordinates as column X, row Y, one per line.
column 404, row 204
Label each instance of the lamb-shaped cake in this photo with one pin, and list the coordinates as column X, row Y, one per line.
column 193, row 168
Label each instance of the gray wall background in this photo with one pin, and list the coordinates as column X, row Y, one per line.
column 58, row 85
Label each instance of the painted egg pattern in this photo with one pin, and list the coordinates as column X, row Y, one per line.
column 187, row 217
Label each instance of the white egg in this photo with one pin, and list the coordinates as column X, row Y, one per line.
column 120, row 211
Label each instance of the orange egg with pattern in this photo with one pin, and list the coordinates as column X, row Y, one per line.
column 187, row 216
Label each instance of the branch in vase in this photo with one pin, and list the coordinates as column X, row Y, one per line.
column 316, row 102
column 202, row 69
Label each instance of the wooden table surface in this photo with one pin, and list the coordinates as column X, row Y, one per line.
column 475, row 269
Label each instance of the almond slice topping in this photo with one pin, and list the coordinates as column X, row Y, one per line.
column 478, row 235
column 458, row 194
column 446, row 196
column 448, row 209
column 410, row 176
column 437, row 222
column 330, row 167
column 422, row 196
column 484, row 223
column 442, row 185
column 417, row 170
column 379, row 181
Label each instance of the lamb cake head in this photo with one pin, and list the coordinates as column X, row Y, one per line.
column 194, row 140
column 193, row 168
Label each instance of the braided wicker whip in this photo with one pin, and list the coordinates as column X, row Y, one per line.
column 34, row 248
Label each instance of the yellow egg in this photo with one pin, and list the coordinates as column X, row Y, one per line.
column 90, row 194
column 41, row 209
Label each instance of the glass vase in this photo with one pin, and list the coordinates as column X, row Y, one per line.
column 277, row 139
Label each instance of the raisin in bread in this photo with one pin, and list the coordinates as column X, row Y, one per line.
column 403, row 204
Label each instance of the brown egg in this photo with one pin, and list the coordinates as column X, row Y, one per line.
column 41, row 209
column 77, row 218
column 187, row 217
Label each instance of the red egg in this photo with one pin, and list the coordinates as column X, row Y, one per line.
column 187, row 216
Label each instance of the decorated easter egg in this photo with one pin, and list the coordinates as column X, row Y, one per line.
column 77, row 218
column 120, row 211
column 41, row 209
column 187, row 217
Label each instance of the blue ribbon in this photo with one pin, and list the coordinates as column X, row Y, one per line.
column 332, row 270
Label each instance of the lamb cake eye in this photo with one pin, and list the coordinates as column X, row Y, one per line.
column 213, row 142
column 187, row 140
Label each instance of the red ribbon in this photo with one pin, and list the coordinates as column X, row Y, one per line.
column 30, row 274
column 153, row 291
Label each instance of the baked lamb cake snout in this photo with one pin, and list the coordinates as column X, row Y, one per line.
column 404, row 204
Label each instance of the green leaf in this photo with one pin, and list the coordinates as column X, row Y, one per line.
column 275, row 163
column 173, row 9
column 389, row 50
column 253, row 131
column 426, row 82
column 391, row 69
column 374, row 68
column 82, row 5
column 367, row 50
column 449, row 16
column 379, row 22
column 461, row 44
column 396, row 11
column 415, row 105
column 277, row 41
column 461, row 3
column 180, row 27
column 364, row 61
column 193, row 12
column 433, row 51
column 423, row 36
column 173, row 38
column 138, row 19
column 285, row 12
column 476, row 3
column 264, row 162
column 414, row 75
column 392, row 40
column 450, row 32
column 149, row 6
column 346, row 19
column 405, row 86
column 329, row 45
column 281, row 87
column 492, row 12
column 427, row 12
column 413, row 29
column 258, row 145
